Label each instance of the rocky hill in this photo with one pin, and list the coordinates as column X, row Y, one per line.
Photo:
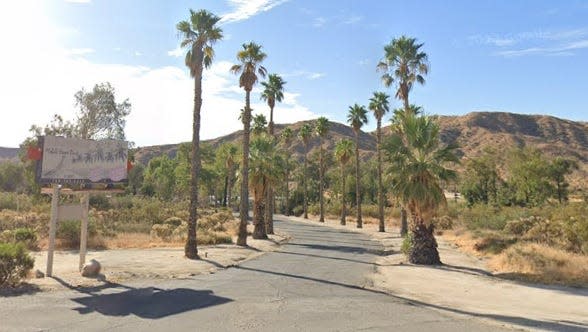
column 473, row 133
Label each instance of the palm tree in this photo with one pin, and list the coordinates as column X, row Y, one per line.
column 265, row 168
column 343, row 151
column 379, row 105
column 286, row 138
column 321, row 129
column 259, row 124
column 357, row 117
column 404, row 64
column 418, row 160
column 304, row 134
column 228, row 153
column 198, row 34
column 273, row 91
column 250, row 57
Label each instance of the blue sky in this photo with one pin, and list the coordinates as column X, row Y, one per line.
column 513, row 56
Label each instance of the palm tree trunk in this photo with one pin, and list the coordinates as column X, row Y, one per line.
column 424, row 246
column 229, row 189
column 224, row 202
column 269, row 208
column 357, row 180
column 305, row 204
column 244, row 206
column 343, row 194
column 321, row 184
column 258, row 214
column 403, row 214
column 380, row 184
column 191, row 248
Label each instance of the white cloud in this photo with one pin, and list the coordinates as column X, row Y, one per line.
column 244, row 9
column 353, row 19
column 319, row 22
column 305, row 73
column 80, row 51
column 78, row 1
column 177, row 52
column 561, row 50
column 137, row 53
column 31, row 91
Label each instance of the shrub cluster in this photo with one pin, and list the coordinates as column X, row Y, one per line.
column 15, row 263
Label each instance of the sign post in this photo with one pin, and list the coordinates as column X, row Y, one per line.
column 85, row 204
column 52, row 228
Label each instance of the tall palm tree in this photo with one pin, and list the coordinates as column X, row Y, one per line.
column 379, row 105
column 198, row 34
column 273, row 90
column 305, row 134
column 356, row 118
column 343, row 152
column 321, row 129
column 228, row 153
column 403, row 64
column 264, row 168
column 286, row 138
column 419, row 162
column 251, row 58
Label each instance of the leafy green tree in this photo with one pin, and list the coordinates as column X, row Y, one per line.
column 343, row 152
column 12, row 177
column 403, row 64
column 380, row 105
column 227, row 156
column 557, row 171
column 356, row 118
column 99, row 115
column 265, row 168
column 529, row 177
column 418, row 160
column 251, row 57
column 481, row 180
column 136, row 177
column 160, row 175
column 305, row 134
column 198, row 34
column 321, row 130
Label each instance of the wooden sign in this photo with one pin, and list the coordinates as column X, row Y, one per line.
column 70, row 212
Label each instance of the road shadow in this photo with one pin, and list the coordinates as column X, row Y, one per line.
column 21, row 289
column 149, row 302
column 560, row 325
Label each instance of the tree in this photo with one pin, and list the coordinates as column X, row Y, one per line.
column 404, row 64
column 480, row 180
column 198, row 34
column 12, row 177
column 304, row 134
column 286, row 138
column 529, row 177
column 265, row 168
column 356, row 118
column 343, row 152
column 227, row 155
column 379, row 105
column 259, row 124
column 321, row 129
column 418, row 160
column 557, row 171
column 251, row 58
column 99, row 115
column 273, row 91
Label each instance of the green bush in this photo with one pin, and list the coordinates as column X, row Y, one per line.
column 68, row 231
column 443, row 222
column 406, row 244
column 173, row 221
column 298, row 210
column 28, row 237
column 15, row 263
column 100, row 202
column 522, row 225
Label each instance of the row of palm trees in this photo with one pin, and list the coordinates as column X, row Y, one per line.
column 413, row 149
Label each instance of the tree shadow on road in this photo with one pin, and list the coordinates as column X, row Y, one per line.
column 149, row 302
column 571, row 326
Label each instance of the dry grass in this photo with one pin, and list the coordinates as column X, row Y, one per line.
column 539, row 263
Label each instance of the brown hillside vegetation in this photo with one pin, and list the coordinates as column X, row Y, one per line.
column 473, row 132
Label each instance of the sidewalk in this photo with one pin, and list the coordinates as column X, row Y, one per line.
column 464, row 285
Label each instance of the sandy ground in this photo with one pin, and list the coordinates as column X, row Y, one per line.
column 153, row 263
column 464, row 285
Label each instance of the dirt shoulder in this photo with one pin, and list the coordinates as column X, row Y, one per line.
column 465, row 285
column 120, row 265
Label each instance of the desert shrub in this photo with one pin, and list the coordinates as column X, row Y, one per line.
column 162, row 231
column 10, row 220
column 212, row 238
column 181, row 233
column 406, row 244
column 28, row 237
column 298, row 210
column 314, row 209
column 522, row 225
column 216, row 222
column 122, row 202
column 100, row 202
column 443, row 222
column 369, row 210
column 68, row 232
column 481, row 216
column 494, row 244
column 173, row 221
column 15, row 263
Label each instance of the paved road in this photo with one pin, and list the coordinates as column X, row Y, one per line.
column 315, row 283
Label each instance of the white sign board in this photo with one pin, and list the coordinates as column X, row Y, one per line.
column 75, row 160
